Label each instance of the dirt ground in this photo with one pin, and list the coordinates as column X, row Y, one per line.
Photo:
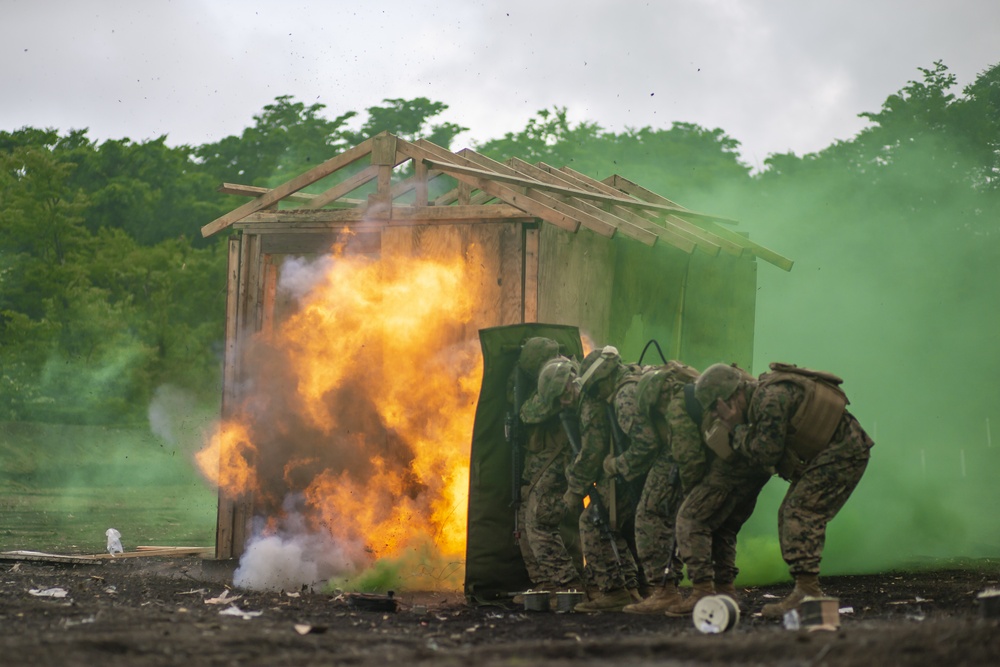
column 166, row 611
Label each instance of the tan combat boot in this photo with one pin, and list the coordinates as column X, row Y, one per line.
column 657, row 603
column 806, row 585
column 613, row 600
column 728, row 588
column 684, row 607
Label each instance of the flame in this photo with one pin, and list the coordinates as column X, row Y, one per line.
column 362, row 401
column 225, row 460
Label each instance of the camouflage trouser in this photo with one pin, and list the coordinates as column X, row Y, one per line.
column 815, row 498
column 710, row 519
column 553, row 565
column 655, row 515
column 602, row 565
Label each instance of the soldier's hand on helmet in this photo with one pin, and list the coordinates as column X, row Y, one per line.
column 611, row 465
column 729, row 415
column 573, row 500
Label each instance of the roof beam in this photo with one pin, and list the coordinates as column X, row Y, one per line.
column 766, row 254
column 679, row 241
column 324, row 218
column 272, row 196
column 425, row 150
column 448, row 164
column 678, row 228
column 641, row 233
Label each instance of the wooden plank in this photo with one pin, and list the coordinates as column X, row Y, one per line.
column 414, row 183
column 642, row 218
column 251, row 286
column 511, row 257
column 286, row 221
column 506, row 193
column 598, row 223
column 484, row 262
column 709, row 243
column 764, row 253
column 270, row 289
column 383, row 195
column 453, row 165
column 384, row 149
column 666, row 231
column 342, row 188
column 531, row 235
column 420, row 180
column 318, row 242
column 644, row 231
column 95, row 559
column 224, row 515
column 42, row 557
column 308, row 178
column 576, row 275
column 256, row 191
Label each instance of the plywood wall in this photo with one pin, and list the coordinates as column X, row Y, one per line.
column 575, row 280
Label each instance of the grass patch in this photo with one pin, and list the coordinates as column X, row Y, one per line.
column 63, row 486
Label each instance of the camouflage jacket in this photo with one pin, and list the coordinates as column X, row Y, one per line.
column 763, row 438
column 686, row 448
column 672, row 435
column 595, row 437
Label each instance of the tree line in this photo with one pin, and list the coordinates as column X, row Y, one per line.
column 108, row 291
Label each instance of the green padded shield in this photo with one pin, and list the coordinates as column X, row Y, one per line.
column 493, row 565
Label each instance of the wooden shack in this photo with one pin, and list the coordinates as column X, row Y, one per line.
column 623, row 264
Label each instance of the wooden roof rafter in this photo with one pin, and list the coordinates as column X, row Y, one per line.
column 485, row 190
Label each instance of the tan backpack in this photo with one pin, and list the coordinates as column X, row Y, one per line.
column 814, row 423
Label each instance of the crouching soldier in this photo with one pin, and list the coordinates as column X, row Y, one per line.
column 545, row 478
column 795, row 420
column 543, row 481
column 609, row 559
column 661, row 436
column 720, row 491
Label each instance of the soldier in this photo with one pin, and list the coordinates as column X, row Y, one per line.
column 609, row 559
column 545, row 478
column 656, row 448
column 794, row 419
column 542, row 481
column 720, row 489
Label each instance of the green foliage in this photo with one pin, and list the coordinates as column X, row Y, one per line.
column 107, row 289
column 407, row 119
column 685, row 158
column 287, row 138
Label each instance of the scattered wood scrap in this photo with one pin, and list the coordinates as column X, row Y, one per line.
column 81, row 559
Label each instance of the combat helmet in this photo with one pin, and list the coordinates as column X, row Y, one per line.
column 552, row 381
column 647, row 391
column 535, row 352
column 596, row 366
column 719, row 381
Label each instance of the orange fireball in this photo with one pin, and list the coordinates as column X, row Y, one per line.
column 361, row 403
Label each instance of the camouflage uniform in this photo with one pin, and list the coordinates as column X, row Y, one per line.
column 543, row 479
column 712, row 514
column 819, row 489
column 653, row 441
column 534, row 353
column 542, row 495
column 586, row 470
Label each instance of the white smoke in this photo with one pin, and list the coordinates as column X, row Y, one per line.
column 174, row 417
column 293, row 557
column 298, row 275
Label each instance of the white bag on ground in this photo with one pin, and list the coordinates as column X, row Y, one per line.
column 114, row 541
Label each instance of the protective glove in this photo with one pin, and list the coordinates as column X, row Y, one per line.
column 573, row 501
column 611, row 465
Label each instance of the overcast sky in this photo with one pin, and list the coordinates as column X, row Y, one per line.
column 777, row 75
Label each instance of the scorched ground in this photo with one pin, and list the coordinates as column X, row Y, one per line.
column 147, row 611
